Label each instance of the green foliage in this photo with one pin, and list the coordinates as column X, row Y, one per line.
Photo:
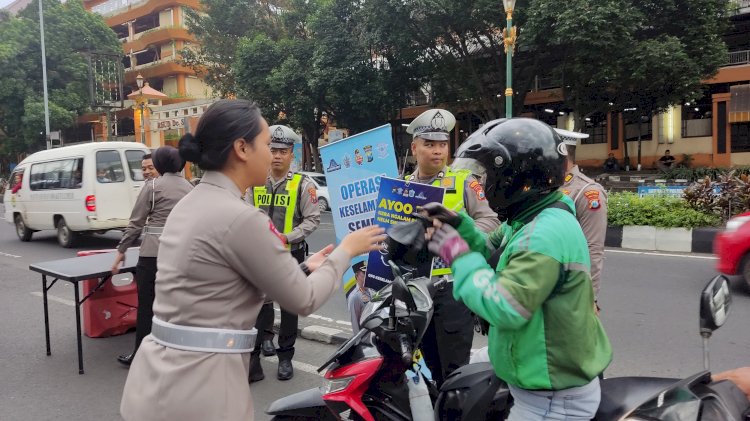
column 695, row 174
column 70, row 31
column 661, row 211
column 724, row 196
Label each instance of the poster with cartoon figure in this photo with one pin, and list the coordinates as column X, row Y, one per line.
column 354, row 182
column 396, row 202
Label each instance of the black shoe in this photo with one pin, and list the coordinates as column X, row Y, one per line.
column 286, row 371
column 268, row 348
column 256, row 371
column 126, row 359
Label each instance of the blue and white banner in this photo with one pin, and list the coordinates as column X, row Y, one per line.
column 396, row 202
column 297, row 158
column 353, row 167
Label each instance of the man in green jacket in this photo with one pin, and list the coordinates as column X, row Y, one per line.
column 545, row 339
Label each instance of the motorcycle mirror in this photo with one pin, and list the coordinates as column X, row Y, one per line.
column 400, row 291
column 714, row 307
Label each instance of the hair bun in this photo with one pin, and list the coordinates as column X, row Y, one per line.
column 190, row 148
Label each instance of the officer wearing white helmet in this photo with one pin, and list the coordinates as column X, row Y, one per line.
column 447, row 342
column 291, row 202
column 591, row 206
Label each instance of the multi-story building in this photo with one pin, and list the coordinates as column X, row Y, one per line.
column 152, row 32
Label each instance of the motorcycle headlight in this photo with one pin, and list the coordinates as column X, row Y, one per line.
column 735, row 223
column 336, row 385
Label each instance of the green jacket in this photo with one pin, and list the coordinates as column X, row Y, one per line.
column 539, row 301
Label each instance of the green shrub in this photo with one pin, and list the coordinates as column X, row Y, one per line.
column 661, row 211
column 724, row 196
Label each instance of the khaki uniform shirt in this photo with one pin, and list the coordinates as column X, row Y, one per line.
column 307, row 212
column 591, row 211
column 475, row 204
column 155, row 201
column 218, row 259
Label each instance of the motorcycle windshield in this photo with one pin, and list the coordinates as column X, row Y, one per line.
column 675, row 404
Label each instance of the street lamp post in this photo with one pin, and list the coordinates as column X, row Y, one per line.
column 509, row 42
column 139, row 81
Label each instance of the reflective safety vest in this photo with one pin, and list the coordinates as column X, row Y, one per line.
column 453, row 182
column 284, row 202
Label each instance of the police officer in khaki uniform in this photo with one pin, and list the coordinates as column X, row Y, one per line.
column 156, row 200
column 447, row 341
column 591, row 206
column 219, row 258
column 290, row 201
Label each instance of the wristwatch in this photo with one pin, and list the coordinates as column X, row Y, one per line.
column 305, row 269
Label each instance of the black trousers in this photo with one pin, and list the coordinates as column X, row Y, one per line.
column 145, row 275
column 289, row 323
column 447, row 342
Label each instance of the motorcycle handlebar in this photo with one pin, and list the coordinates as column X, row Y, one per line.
column 406, row 351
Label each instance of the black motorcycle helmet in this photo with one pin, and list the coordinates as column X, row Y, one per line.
column 519, row 160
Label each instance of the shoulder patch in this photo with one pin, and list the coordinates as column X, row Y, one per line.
column 276, row 232
column 313, row 195
column 594, row 200
column 478, row 190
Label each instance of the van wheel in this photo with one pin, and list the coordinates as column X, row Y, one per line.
column 65, row 236
column 322, row 204
column 23, row 232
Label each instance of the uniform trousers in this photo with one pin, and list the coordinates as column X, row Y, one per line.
column 447, row 341
column 289, row 322
column 145, row 277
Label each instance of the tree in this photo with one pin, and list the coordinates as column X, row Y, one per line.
column 632, row 54
column 70, row 32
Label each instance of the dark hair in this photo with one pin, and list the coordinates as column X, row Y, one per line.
column 167, row 159
column 145, row 157
column 223, row 122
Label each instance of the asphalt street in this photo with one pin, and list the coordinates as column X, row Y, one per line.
column 649, row 308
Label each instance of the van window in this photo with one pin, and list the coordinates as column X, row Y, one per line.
column 16, row 181
column 134, row 159
column 60, row 174
column 109, row 167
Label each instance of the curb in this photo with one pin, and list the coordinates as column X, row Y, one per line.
column 697, row 240
column 322, row 334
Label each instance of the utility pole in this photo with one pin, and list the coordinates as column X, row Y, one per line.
column 44, row 78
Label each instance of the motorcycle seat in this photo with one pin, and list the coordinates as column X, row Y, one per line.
column 623, row 394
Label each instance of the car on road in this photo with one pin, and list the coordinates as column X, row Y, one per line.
column 732, row 248
column 321, row 189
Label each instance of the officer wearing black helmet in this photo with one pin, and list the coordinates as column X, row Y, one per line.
column 545, row 339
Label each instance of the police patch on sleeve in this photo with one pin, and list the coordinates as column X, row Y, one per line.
column 478, row 190
column 594, row 200
column 313, row 195
column 275, row 232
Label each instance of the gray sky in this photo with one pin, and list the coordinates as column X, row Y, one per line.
column 4, row 3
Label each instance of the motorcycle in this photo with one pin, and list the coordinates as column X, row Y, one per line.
column 366, row 377
column 695, row 398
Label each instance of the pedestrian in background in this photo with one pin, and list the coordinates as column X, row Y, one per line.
column 156, row 200
column 147, row 167
column 219, row 258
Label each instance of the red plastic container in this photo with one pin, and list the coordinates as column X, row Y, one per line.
column 112, row 309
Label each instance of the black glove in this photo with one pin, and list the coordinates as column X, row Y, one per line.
column 441, row 213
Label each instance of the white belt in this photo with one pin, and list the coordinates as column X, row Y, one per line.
column 202, row 339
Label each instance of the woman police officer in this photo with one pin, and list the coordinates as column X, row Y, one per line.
column 218, row 259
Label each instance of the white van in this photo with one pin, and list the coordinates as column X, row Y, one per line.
column 90, row 187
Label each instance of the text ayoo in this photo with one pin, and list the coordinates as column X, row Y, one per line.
column 395, row 205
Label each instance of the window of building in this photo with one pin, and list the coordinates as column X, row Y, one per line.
column 145, row 23
column 697, row 117
column 633, row 129
column 109, row 167
column 740, row 133
column 134, row 159
column 596, row 127
column 54, row 175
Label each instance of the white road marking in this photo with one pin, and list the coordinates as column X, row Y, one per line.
column 299, row 365
column 55, row 298
column 653, row 253
column 9, row 255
